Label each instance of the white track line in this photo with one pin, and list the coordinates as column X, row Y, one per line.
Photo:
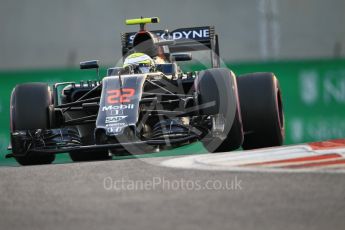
column 237, row 161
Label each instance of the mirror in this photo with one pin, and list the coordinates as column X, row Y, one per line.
column 89, row 64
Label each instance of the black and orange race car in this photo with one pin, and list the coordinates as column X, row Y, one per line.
column 148, row 104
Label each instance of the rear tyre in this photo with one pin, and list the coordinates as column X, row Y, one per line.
column 218, row 98
column 29, row 111
column 262, row 110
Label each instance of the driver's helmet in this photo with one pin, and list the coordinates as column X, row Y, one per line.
column 141, row 61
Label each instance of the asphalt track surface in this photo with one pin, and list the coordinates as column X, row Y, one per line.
column 78, row 196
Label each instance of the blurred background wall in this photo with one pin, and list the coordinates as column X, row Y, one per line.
column 302, row 41
column 46, row 33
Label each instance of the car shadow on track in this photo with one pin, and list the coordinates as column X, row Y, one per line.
column 195, row 148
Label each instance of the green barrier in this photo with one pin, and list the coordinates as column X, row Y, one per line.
column 313, row 95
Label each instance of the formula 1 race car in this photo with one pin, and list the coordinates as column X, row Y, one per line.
column 148, row 104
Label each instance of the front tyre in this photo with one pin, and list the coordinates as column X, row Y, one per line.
column 218, row 99
column 29, row 111
column 92, row 155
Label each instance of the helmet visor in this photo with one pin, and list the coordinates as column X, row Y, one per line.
column 144, row 68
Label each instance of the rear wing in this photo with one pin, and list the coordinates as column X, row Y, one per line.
column 187, row 39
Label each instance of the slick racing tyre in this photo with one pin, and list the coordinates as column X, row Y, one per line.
column 91, row 155
column 262, row 110
column 88, row 155
column 29, row 111
column 218, row 100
